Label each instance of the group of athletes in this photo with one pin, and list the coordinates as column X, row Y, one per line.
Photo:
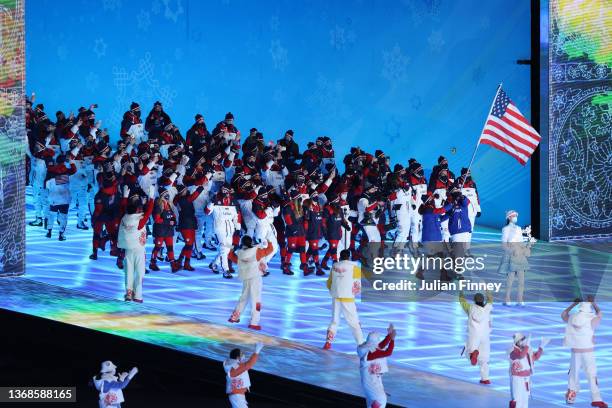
column 249, row 200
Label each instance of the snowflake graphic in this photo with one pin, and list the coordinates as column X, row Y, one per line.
column 327, row 100
column 62, row 52
column 436, row 41
column 143, row 20
column 156, row 7
column 279, row 96
column 395, row 65
column 92, row 81
column 279, row 55
column 138, row 84
column 274, row 23
column 173, row 13
column 100, row 47
column 416, row 102
column 178, row 54
column 339, row 38
column 167, row 69
column 392, row 129
column 111, row 5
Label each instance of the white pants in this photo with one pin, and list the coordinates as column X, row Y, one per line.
column 251, row 291
column 472, row 216
column 445, row 232
column 520, row 391
column 238, row 400
column 416, row 223
column 345, row 240
column 403, row 230
column 585, row 361
column 373, row 241
column 349, row 311
column 134, row 264
column 483, row 345
column 374, row 391
column 224, row 232
column 520, row 276
column 59, row 216
column 78, row 191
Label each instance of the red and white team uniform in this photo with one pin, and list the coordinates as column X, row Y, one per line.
column 264, row 227
column 418, row 186
column 522, row 360
column 237, row 380
column 226, row 221
column 401, row 206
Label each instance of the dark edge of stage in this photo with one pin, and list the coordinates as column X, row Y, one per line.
column 43, row 352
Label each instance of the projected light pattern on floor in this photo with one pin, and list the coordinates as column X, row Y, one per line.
column 430, row 335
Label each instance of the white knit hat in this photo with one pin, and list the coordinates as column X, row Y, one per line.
column 107, row 367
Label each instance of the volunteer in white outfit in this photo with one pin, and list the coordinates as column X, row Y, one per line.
column 373, row 364
column 343, row 284
column 478, row 345
column 237, row 378
column 132, row 238
column 514, row 261
column 111, row 386
column 247, row 258
column 580, row 337
column 522, row 360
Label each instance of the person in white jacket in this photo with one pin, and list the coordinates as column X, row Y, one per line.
column 580, row 338
column 248, row 258
column 478, row 344
column 111, row 385
column 373, row 355
column 59, row 202
column 226, row 221
column 237, row 380
column 343, row 284
column 401, row 206
column 522, row 360
column 132, row 238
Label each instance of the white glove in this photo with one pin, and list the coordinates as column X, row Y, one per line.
column 151, row 192
column 258, row 347
column 184, row 160
column 544, row 342
column 133, row 372
column 126, row 191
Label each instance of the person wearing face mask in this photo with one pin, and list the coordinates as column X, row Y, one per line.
column 468, row 188
column 522, row 360
column 459, row 226
column 293, row 216
column 580, row 338
column 197, row 135
column 226, row 220
column 346, row 237
column 418, row 187
column 439, row 185
column 163, row 230
column 78, row 182
column 292, row 151
column 514, row 259
column 105, row 215
column 334, row 227
column 265, row 209
column 313, row 228
column 43, row 153
column 248, row 258
column 111, row 385
column 373, row 355
column 157, row 120
column 478, row 344
column 132, row 238
column 400, row 201
column 188, row 223
column 236, row 369
column 59, row 201
column 370, row 208
column 131, row 124
column 226, row 126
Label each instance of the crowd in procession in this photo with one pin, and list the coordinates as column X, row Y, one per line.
column 248, row 201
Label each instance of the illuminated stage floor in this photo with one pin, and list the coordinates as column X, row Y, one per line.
column 430, row 335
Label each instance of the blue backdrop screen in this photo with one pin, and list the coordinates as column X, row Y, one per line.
column 413, row 78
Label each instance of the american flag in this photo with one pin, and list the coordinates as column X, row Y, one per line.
column 508, row 130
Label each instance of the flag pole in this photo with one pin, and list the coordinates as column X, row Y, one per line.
column 483, row 129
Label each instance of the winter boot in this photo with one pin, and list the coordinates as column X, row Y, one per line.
column 175, row 266
column 48, row 234
column 305, row 269
column 38, row 222
column 214, row 267
column 320, row 271
column 153, row 265
column 62, row 237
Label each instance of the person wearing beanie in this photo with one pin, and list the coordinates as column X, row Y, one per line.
column 237, row 381
column 226, row 126
column 248, row 258
column 522, row 359
column 373, row 355
column 478, row 345
column 164, row 221
column 226, row 222
column 157, row 120
column 291, row 152
column 440, row 185
column 418, row 187
column 105, row 215
column 580, row 338
column 131, row 124
column 132, row 238
column 111, row 385
column 401, row 207
column 197, row 137
column 188, row 223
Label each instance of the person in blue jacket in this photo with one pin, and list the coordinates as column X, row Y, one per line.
column 433, row 245
column 111, row 385
column 459, row 224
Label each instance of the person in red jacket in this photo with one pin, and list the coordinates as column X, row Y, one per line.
column 334, row 223
column 313, row 227
column 105, row 216
column 292, row 213
column 164, row 222
column 373, row 364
